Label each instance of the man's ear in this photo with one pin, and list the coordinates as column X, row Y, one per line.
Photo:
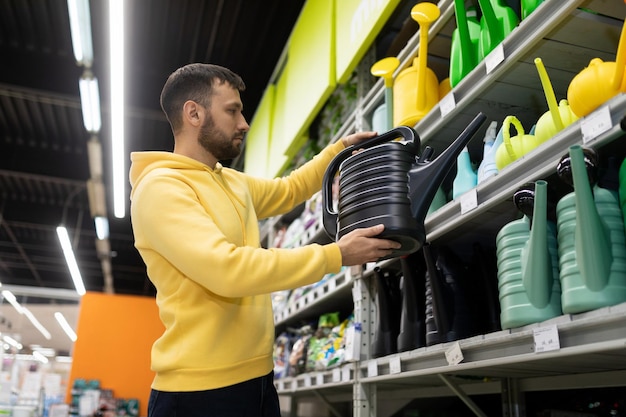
column 193, row 113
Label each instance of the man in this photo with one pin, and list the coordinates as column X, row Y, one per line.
column 196, row 227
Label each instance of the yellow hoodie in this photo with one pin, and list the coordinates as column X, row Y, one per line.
column 196, row 229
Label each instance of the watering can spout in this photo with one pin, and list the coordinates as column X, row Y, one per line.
column 535, row 260
column 593, row 246
column 425, row 178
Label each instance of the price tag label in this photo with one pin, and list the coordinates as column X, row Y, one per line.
column 447, row 104
column 281, row 386
column 468, row 201
column 307, row 381
column 372, row 368
column 336, row 375
column 595, row 124
column 395, row 365
column 546, row 339
column 494, row 58
column 454, row 355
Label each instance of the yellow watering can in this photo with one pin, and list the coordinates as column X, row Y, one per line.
column 558, row 116
column 416, row 88
column 515, row 147
column 598, row 82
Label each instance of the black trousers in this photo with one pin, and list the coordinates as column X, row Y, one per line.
column 254, row 398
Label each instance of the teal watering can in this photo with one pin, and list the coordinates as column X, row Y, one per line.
column 528, row 265
column 465, row 38
column 592, row 243
column 497, row 22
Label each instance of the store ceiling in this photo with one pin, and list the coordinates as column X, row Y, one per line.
column 43, row 145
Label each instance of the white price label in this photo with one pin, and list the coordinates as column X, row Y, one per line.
column 447, row 104
column 468, row 201
column 372, row 368
column 454, row 355
column 595, row 124
column 336, row 375
column 494, row 58
column 546, row 339
column 307, row 381
column 395, row 365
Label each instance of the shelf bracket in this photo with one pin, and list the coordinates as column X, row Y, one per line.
column 513, row 402
column 462, row 396
column 328, row 405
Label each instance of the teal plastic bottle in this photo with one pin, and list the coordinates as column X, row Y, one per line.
column 592, row 243
column 528, row 264
column 466, row 177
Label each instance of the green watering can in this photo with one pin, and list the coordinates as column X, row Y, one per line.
column 497, row 22
column 528, row 264
column 558, row 116
column 465, row 39
column 591, row 239
column 529, row 6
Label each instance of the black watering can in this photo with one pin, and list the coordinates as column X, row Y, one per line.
column 388, row 182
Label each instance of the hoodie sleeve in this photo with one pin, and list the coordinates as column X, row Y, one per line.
column 178, row 237
column 277, row 196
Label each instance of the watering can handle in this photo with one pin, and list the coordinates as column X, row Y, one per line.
column 329, row 217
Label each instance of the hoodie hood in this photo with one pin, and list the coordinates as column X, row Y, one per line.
column 142, row 163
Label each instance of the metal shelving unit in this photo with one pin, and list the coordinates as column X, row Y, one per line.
column 591, row 349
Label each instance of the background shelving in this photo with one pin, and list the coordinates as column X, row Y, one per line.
column 592, row 353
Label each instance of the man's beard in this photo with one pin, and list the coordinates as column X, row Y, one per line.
column 216, row 142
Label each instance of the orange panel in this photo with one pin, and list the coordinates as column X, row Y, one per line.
column 115, row 336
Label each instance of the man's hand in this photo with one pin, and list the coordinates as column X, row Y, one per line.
column 360, row 246
column 356, row 138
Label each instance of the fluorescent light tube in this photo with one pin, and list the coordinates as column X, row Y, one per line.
column 102, row 227
column 12, row 342
column 94, row 155
column 37, row 324
column 118, row 158
column 65, row 326
column 41, row 358
column 8, row 295
column 90, row 102
column 80, row 27
column 70, row 259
